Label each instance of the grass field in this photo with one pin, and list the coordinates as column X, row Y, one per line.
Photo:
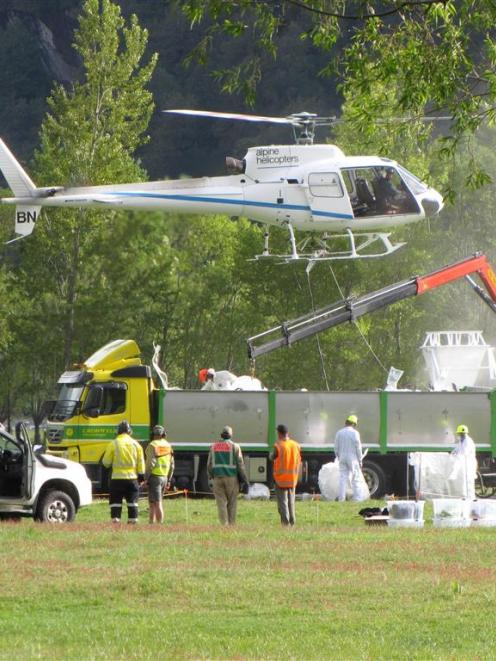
column 331, row 588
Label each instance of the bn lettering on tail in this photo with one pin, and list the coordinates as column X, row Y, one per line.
column 26, row 214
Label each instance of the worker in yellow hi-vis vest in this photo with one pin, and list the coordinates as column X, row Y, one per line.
column 125, row 456
column 159, row 468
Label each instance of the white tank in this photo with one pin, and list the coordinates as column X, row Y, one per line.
column 458, row 359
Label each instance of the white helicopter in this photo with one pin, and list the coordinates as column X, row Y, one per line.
column 306, row 186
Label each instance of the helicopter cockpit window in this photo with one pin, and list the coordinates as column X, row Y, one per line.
column 380, row 191
column 414, row 184
column 325, row 184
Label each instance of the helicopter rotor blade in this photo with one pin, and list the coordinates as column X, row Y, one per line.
column 301, row 119
column 231, row 115
column 419, row 118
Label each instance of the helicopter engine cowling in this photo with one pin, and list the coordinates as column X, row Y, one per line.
column 432, row 205
column 235, row 165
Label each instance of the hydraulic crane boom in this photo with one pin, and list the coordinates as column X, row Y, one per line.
column 353, row 308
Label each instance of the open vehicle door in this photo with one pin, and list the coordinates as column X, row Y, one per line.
column 28, row 468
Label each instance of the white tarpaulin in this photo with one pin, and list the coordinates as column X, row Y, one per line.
column 225, row 380
column 439, row 474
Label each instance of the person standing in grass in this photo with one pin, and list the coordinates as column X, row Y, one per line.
column 348, row 450
column 125, row 456
column 159, row 468
column 466, row 457
column 226, row 466
column 286, row 456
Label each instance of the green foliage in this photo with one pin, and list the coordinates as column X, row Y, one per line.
column 435, row 56
column 92, row 131
column 89, row 135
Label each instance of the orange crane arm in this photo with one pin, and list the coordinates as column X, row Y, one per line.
column 352, row 308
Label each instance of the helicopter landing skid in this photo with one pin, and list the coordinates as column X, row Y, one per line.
column 358, row 244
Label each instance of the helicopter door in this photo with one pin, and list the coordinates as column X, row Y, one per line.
column 327, row 197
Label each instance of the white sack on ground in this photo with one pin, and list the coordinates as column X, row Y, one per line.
column 329, row 483
column 329, row 480
column 438, row 474
column 258, row 491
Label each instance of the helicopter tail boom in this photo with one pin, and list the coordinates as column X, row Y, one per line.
column 21, row 185
column 17, row 178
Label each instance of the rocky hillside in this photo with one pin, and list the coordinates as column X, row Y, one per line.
column 35, row 52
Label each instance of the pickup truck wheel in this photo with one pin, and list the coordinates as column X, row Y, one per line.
column 55, row 507
column 375, row 478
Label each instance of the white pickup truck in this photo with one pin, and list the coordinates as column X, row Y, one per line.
column 35, row 484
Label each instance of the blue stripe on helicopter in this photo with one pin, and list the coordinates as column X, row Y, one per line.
column 220, row 200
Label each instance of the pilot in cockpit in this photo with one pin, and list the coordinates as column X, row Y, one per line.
column 389, row 199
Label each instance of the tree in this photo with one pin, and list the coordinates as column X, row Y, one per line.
column 438, row 56
column 89, row 135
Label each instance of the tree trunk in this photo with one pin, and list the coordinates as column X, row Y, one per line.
column 72, row 295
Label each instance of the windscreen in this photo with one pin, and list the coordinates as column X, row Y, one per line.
column 414, row 184
column 379, row 190
column 67, row 400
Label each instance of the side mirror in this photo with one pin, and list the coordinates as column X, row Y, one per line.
column 21, row 434
column 18, row 432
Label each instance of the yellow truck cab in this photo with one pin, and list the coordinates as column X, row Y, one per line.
column 110, row 386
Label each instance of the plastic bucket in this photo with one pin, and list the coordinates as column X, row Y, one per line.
column 451, row 523
column 483, row 509
column 400, row 510
column 484, row 523
column 405, row 523
column 451, row 508
column 419, row 510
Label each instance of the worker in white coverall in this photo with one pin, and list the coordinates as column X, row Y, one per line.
column 464, row 453
column 209, row 383
column 348, row 450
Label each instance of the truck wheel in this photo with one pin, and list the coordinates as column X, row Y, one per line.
column 481, row 489
column 55, row 507
column 204, row 483
column 375, row 478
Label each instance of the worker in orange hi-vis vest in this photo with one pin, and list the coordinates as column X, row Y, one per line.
column 286, row 456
